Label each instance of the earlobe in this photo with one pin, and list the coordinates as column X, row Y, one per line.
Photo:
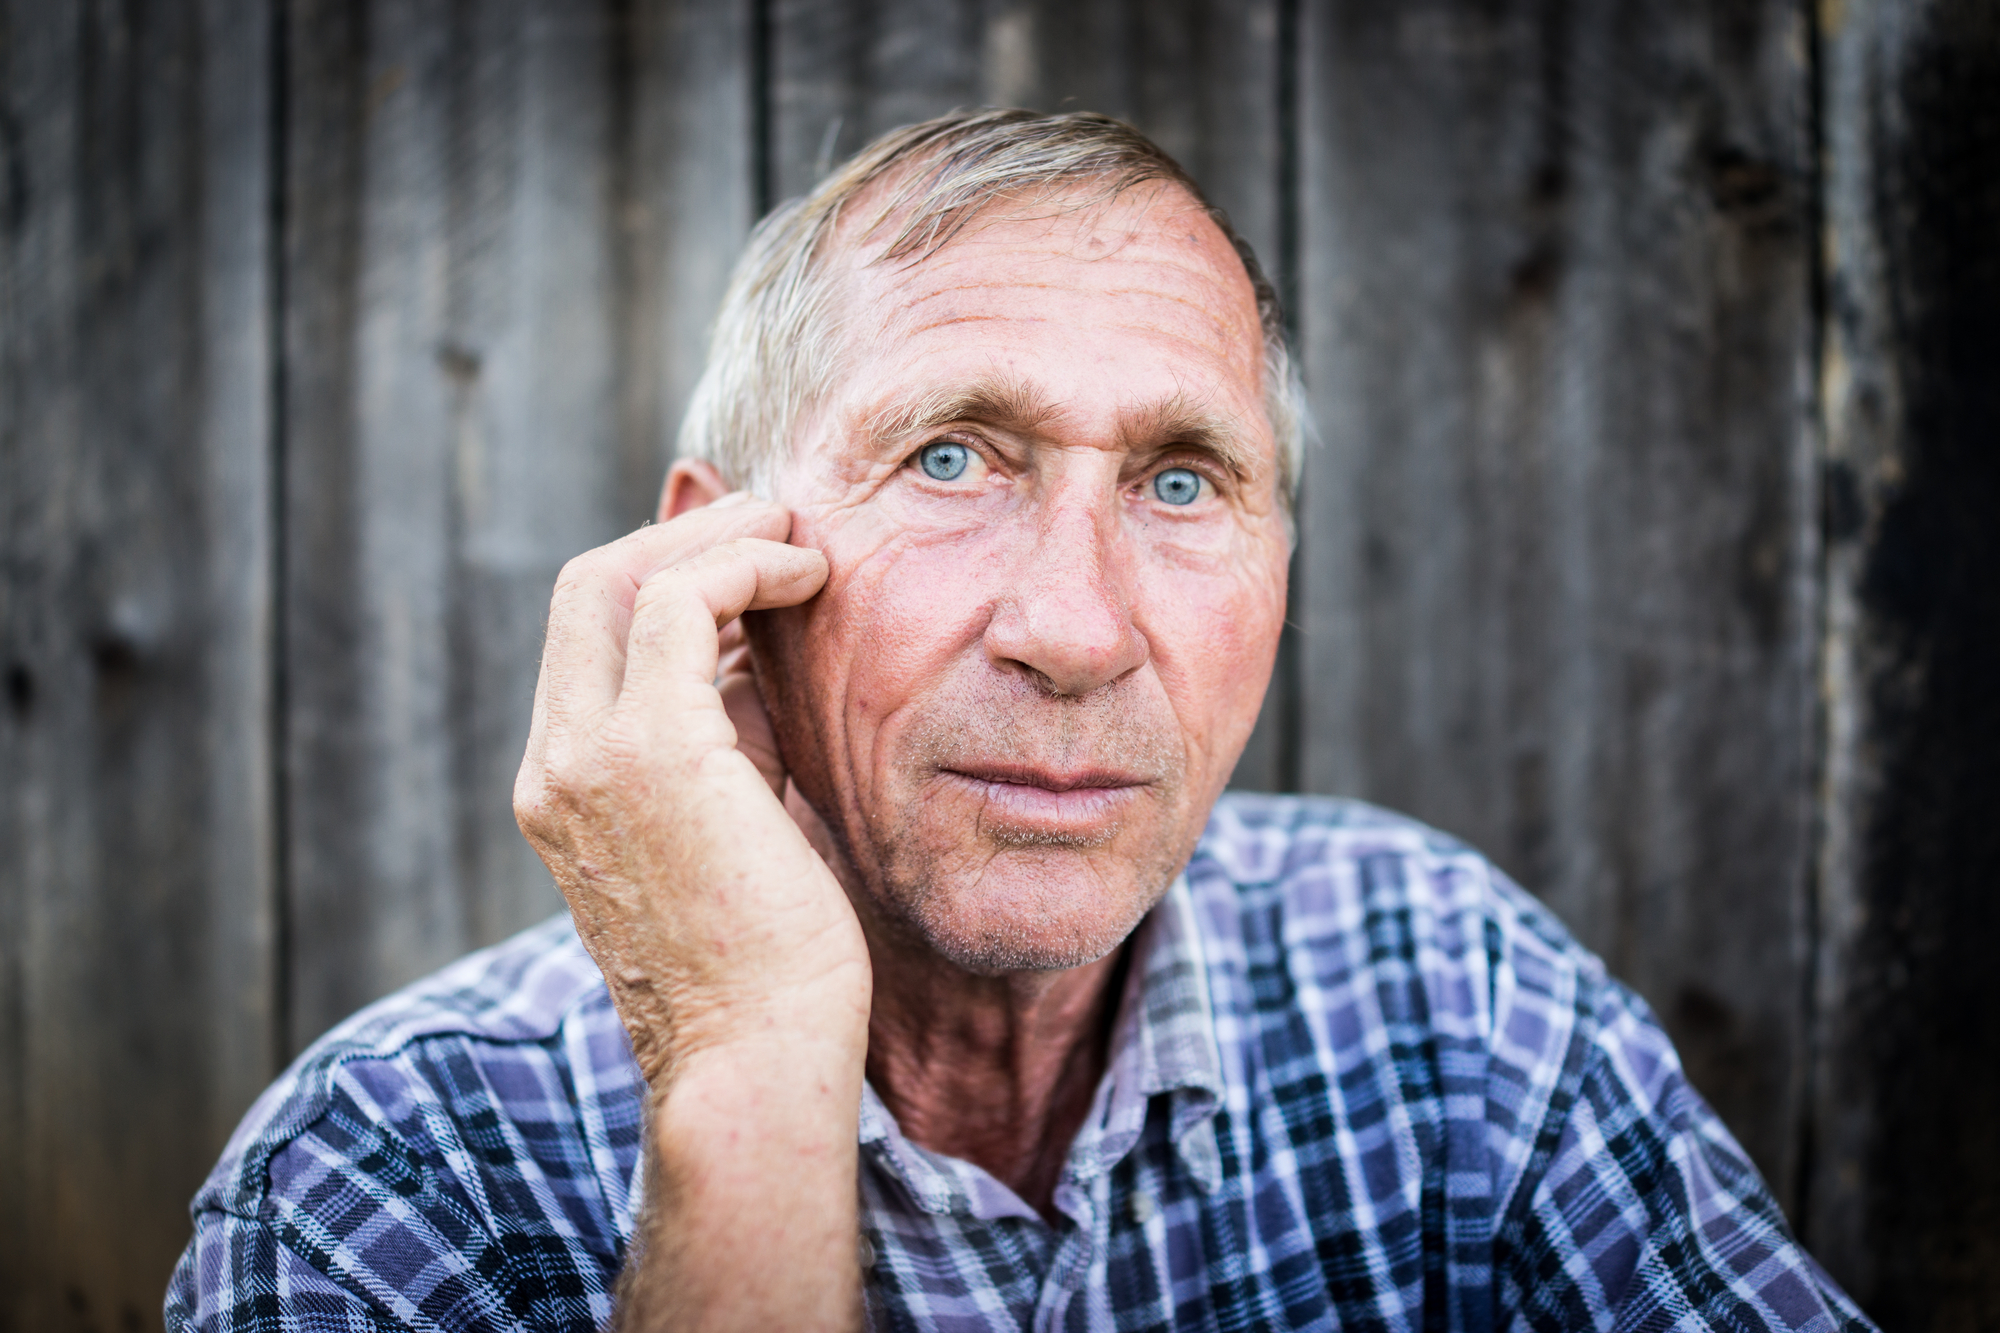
column 692, row 483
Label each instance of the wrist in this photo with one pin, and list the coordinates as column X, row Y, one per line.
column 765, row 1129
column 764, row 1056
column 818, row 1027
column 753, row 1154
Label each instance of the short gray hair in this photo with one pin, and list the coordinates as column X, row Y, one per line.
column 775, row 345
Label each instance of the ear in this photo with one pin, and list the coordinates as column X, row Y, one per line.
column 691, row 484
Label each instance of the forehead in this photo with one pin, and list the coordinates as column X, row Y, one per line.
column 1143, row 287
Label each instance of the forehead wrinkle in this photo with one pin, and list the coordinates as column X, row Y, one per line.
column 911, row 293
column 1146, row 247
column 1221, row 346
column 1020, row 405
column 1225, row 330
column 912, row 300
column 950, row 320
column 1223, row 341
column 1199, row 269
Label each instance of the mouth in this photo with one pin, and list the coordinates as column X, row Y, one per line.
column 1024, row 804
column 1045, row 779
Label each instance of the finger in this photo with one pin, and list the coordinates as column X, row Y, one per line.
column 590, row 613
column 755, row 738
column 599, row 587
column 674, row 639
column 732, row 650
column 737, row 684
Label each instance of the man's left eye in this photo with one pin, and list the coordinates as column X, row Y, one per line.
column 1178, row 486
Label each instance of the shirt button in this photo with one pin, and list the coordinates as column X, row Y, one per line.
column 864, row 1250
column 1144, row 1209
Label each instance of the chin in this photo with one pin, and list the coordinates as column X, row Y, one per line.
column 1038, row 908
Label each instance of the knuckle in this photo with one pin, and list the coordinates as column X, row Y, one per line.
column 657, row 586
column 561, row 774
column 662, row 594
column 577, row 571
column 534, row 803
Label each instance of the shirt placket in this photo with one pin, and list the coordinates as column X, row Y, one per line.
column 1087, row 1205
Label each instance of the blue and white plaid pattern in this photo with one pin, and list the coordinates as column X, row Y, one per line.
column 1359, row 1081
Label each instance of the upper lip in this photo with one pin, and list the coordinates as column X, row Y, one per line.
column 1027, row 775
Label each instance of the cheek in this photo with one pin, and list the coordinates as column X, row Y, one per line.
column 894, row 619
column 1213, row 632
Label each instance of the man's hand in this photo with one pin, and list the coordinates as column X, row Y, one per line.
column 731, row 952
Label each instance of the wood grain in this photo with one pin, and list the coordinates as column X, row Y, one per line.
column 137, row 959
column 1648, row 544
column 452, row 436
column 689, row 192
column 1559, row 565
column 1903, row 1198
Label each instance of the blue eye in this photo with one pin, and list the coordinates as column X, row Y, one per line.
column 1178, row 486
column 943, row 460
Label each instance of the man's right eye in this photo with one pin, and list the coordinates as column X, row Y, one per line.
column 943, row 460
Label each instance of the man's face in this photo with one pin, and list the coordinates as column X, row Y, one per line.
column 1046, row 488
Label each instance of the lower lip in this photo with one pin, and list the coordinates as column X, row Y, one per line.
column 1021, row 807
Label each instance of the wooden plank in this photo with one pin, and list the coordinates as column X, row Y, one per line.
column 509, row 223
column 136, row 894
column 1904, row 1181
column 689, row 164
column 843, row 71
column 1560, row 554
column 372, row 880
column 403, row 199
column 1203, row 79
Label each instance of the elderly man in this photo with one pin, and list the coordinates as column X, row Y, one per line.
column 920, row 971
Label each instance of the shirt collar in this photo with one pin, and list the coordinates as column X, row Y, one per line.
column 1163, row 1042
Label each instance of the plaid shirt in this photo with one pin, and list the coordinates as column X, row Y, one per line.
column 1358, row 1080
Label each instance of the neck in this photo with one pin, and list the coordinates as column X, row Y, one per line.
column 999, row 1071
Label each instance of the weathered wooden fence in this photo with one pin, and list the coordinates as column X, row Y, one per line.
column 1652, row 541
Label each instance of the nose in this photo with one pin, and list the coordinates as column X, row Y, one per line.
column 1067, row 616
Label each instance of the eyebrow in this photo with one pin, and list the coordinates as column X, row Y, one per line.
column 1017, row 407
column 1009, row 404
column 1182, row 421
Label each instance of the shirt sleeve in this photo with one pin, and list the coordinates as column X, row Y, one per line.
column 363, row 1226
column 1648, row 1215
column 236, row 1276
